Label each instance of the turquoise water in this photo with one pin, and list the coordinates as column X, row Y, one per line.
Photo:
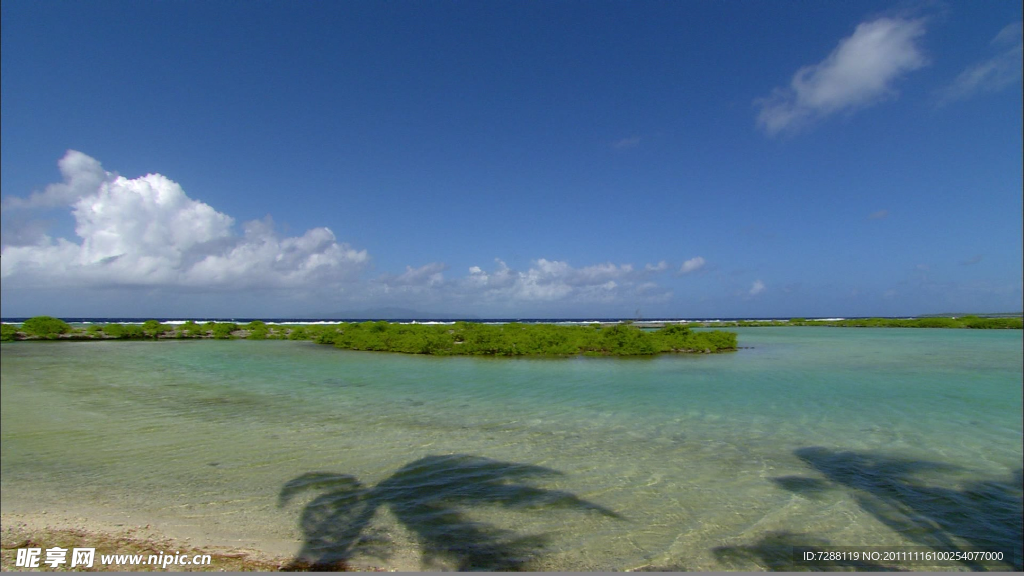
column 815, row 436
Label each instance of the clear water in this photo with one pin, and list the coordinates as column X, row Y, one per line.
column 816, row 436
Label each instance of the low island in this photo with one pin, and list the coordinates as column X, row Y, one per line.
column 628, row 338
column 458, row 339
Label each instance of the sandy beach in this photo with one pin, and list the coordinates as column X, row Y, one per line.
column 44, row 530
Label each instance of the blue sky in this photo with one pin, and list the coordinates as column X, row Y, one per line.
column 511, row 159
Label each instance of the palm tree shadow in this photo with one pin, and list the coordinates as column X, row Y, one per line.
column 430, row 497
column 984, row 514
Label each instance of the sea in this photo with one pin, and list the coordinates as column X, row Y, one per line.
column 882, row 441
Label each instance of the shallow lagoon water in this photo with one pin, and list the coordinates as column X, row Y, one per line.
column 815, row 436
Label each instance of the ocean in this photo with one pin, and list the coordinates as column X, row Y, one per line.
column 809, row 436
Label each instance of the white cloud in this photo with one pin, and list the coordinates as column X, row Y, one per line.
column 1010, row 35
column 82, row 176
column 147, row 232
column 626, row 143
column 22, row 232
column 757, row 288
column 552, row 280
column 692, row 265
column 878, row 215
column 991, row 75
column 859, row 72
column 426, row 275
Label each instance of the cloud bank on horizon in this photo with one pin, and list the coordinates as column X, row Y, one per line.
column 147, row 232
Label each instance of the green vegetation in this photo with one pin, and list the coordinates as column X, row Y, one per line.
column 979, row 314
column 153, row 328
column 928, row 322
column 991, row 322
column 514, row 339
column 45, row 327
column 191, row 330
column 468, row 338
column 257, row 330
column 222, row 330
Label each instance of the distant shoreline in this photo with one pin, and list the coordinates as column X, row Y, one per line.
column 337, row 319
column 82, row 329
column 457, row 339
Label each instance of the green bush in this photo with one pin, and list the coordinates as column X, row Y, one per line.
column 191, row 330
column 991, row 323
column 325, row 333
column 626, row 340
column 153, row 328
column 257, row 331
column 7, row 332
column 45, row 326
column 516, row 339
column 223, row 330
column 937, row 323
column 113, row 330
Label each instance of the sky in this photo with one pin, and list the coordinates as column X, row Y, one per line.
column 510, row 159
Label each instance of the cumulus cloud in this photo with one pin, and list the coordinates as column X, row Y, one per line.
column 82, row 174
column 859, row 72
column 427, row 275
column 992, row 74
column 757, row 288
column 552, row 280
column 147, row 232
column 22, row 232
column 692, row 265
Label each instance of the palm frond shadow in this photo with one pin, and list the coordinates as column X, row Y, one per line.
column 986, row 514
column 430, row 496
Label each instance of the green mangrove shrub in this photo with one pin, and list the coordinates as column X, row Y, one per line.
column 515, row 339
column 45, row 326
column 153, row 328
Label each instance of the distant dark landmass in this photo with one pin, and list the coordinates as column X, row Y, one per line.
column 391, row 313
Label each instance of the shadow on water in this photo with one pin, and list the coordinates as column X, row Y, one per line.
column 430, row 496
column 981, row 514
